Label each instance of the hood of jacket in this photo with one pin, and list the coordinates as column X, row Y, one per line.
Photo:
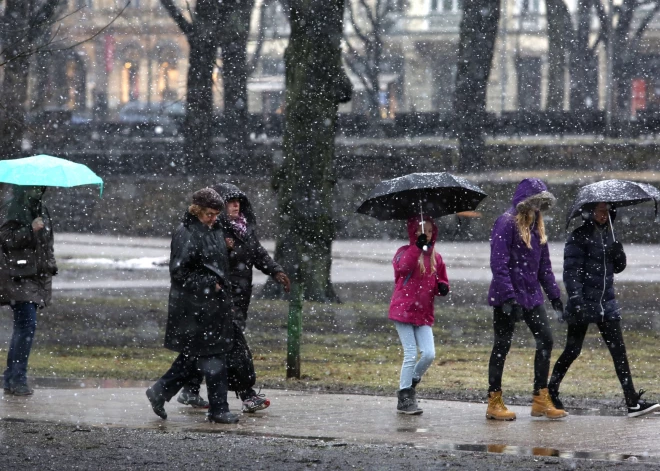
column 228, row 192
column 21, row 208
column 532, row 193
column 413, row 225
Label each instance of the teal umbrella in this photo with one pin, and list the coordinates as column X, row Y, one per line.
column 45, row 170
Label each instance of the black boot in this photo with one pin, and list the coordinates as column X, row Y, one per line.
column 223, row 418
column 408, row 402
column 415, row 382
column 157, row 401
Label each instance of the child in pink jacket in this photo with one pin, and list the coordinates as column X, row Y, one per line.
column 419, row 276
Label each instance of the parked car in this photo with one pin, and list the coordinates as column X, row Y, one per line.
column 160, row 112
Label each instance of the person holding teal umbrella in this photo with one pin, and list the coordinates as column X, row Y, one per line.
column 27, row 265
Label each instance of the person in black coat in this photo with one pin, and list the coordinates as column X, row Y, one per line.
column 591, row 258
column 199, row 322
column 245, row 251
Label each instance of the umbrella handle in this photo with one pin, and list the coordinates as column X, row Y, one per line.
column 609, row 218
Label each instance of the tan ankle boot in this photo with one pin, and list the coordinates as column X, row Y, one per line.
column 542, row 406
column 496, row 408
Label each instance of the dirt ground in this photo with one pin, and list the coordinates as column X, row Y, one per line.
column 43, row 446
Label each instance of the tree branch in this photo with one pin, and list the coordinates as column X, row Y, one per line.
column 184, row 25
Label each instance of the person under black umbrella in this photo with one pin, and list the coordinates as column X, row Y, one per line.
column 591, row 258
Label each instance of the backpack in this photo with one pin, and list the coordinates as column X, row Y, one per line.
column 240, row 368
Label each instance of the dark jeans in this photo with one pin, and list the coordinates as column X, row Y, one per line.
column 504, row 326
column 25, row 324
column 186, row 367
column 613, row 337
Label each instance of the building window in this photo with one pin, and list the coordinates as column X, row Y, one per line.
column 446, row 6
column 526, row 7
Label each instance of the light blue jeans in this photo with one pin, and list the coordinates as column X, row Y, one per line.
column 415, row 338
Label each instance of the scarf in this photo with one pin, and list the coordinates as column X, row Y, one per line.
column 239, row 225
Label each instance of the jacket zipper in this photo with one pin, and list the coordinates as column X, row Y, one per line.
column 602, row 308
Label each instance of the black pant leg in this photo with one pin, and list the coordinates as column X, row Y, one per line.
column 195, row 382
column 537, row 321
column 574, row 340
column 613, row 337
column 176, row 377
column 503, row 328
column 214, row 368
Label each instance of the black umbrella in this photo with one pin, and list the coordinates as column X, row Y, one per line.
column 433, row 194
column 617, row 192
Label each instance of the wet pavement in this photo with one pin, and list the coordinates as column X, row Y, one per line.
column 343, row 418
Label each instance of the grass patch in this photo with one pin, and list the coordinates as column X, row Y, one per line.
column 350, row 347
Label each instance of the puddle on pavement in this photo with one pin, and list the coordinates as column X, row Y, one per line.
column 538, row 451
column 85, row 383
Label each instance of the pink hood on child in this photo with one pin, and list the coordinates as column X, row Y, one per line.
column 414, row 292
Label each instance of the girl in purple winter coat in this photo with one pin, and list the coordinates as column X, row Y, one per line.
column 520, row 262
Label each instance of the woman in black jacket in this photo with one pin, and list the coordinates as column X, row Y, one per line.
column 591, row 258
column 199, row 323
column 245, row 251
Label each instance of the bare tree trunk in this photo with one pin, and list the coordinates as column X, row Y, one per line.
column 198, row 139
column 560, row 32
column 235, row 76
column 22, row 26
column 583, row 86
column 315, row 85
column 475, row 54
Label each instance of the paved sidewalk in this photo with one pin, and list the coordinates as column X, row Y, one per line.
column 354, row 419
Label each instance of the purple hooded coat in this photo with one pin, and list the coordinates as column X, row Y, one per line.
column 519, row 272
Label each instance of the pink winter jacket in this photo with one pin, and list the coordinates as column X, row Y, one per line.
column 414, row 292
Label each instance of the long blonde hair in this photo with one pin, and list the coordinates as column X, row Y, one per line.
column 524, row 221
column 422, row 267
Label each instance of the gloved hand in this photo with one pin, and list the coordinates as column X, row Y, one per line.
column 422, row 241
column 614, row 250
column 558, row 308
column 443, row 289
column 557, row 305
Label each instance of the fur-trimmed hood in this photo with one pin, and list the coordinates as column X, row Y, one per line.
column 532, row 193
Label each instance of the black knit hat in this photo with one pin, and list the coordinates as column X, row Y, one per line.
column 208, row 198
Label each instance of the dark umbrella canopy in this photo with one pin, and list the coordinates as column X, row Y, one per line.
column 617, row 192
column 434, row 194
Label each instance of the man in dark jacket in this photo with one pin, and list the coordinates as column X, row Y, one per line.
column 245, row 251
column 591, row 258
column 27, row 265
column 199, row 323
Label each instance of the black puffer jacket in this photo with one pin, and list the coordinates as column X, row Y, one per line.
column 16, row 237
column 589, row 267
column 199, row 318
column 247, row 252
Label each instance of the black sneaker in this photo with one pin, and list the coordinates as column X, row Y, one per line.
column 642, row 407
column 157, row 403
column 223, row 418
column 195, row 400
column 255, row 403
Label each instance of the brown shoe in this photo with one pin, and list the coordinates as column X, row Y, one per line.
column 496, row 408
column 542, row 406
